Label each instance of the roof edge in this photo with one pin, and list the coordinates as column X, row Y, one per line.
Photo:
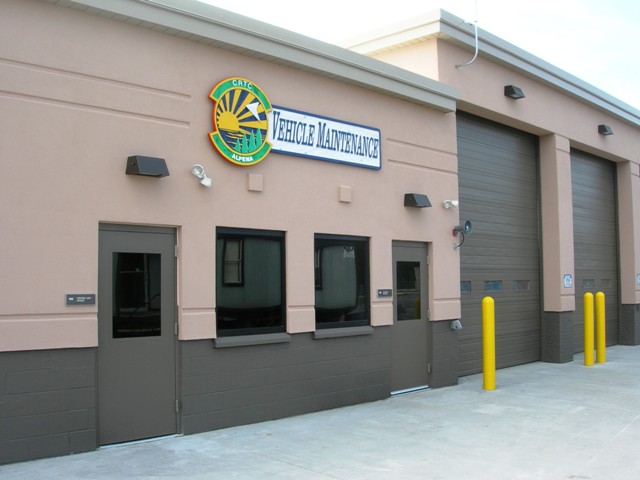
column 211, row 25
column 448, row 27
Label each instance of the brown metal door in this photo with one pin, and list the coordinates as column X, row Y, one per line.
column 409, row 339
column 136, row 333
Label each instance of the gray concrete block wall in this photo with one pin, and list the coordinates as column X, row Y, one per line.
column 629, row 331
column 223, row 387
column 557, row 337
column 47, row 403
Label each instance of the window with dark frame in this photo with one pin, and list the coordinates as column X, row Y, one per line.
column 250, row 286
column 341, row 281
column 408, row 291
column 232, row 254
column 136, row 295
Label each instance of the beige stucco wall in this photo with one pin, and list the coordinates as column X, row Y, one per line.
column 81, row 93
column 557, row 222
column 562, row 122
column 629, row 221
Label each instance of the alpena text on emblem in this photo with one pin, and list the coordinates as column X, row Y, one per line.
column 240, row 121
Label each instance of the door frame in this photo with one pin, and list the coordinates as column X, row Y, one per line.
column 419, row 252
column 148, row 230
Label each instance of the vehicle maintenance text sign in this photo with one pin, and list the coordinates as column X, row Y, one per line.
column 306, row 135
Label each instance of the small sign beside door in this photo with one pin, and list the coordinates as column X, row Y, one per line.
column 80, row 299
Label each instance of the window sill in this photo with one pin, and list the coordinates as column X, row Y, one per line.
column 249, row 340
column 342, row 332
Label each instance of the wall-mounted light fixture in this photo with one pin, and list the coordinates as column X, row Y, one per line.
column 146, row 166
column 417, row 200
column 198, row 171
column 605, row 129
column 460, row 231
column 450, row 203
column 514, row 92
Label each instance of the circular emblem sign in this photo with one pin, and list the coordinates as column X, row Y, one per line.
column 240, row 122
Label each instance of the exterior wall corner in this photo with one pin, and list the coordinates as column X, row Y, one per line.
column 557, row 224
column 628, row 180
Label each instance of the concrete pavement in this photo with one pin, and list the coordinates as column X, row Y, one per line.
column 544, row 421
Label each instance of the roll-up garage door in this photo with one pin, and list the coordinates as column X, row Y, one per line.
column 595, row 240
column 498, row 192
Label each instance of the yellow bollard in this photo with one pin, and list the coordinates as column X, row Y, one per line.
column 601, row 329
column 588, row 329
column 488, row 344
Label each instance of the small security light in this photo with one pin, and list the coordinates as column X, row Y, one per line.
column 146, row 166
column 514, row 92
column 198, row 171
column 417, row 200
column 605, row 129
column 465, row 229
column 450, row 203
column 460, row 231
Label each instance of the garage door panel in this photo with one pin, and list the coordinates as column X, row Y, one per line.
column 511, row 351
column 494, row 141
column 505, row 236
column 484, row 181
column 483, row 171
column 590, row 219
column 502, row 217
column 595, row 239
column 497, row 174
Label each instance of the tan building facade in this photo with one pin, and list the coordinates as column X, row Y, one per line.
column 570, row 123
column 321, row 266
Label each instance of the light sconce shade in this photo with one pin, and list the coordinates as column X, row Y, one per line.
column 514, row 92
column 605, row 129
column 146, row 166
column 460, row 231
column 198, row 171
column 450, row 203
column 417, row 200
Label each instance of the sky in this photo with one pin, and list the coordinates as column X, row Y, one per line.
column 598, row 41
